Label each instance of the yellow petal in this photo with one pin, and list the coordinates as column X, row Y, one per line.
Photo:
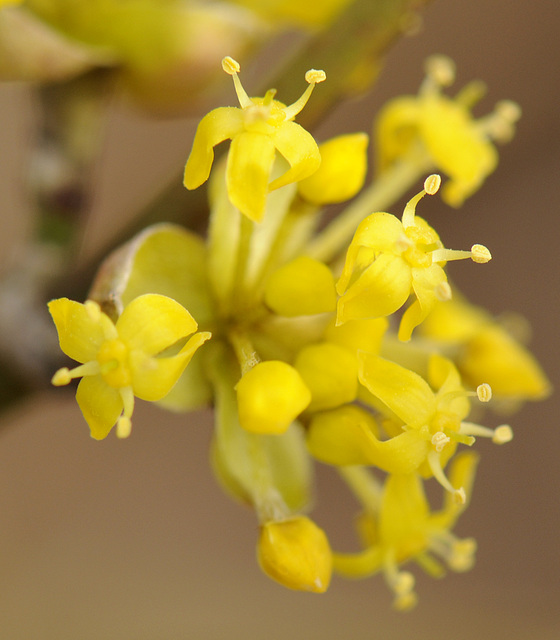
column 404, row 392
column 153, row 378
column 270, row 396
column 100, row 404
column 347, row 436
column 296, row 553
column 300, row 150
column 364, row 334
column 301, row 287
column 81, row 328
column 248, row 171
column 342, row 171
column 379, row 291
column 152, row 323
column 220, row 124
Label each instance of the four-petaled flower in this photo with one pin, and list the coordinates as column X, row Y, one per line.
column 257, row 130
column 388, row 259
column 119, row 359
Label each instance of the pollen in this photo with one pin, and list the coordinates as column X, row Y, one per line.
column 61, row 377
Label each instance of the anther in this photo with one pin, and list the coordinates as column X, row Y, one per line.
column 441, row 70
column 124, row 427
column 230, row 66
column 314, row 76
column 480, row 254
column 484, row 392
column 502, row 434
column 439, row 440
column 432, row 184
column 61, row 377
column 462, row 553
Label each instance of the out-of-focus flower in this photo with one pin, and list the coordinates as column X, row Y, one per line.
column 438, row 131
column 257, row 129
column 119, row 361
column 293, row 12
column 403, row 527
column 484, row 350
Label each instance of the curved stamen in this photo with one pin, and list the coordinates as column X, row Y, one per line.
column 434, row 461
column 231, row 67
column 313, row 77
column 64, row 376
column 431, row 186
column 499, row 435
column 478, row 253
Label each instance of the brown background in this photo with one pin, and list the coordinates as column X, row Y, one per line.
column 134, row 540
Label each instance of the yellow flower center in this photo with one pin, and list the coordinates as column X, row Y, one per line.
column 113, row 359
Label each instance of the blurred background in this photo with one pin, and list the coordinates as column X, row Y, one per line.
column 133, row 539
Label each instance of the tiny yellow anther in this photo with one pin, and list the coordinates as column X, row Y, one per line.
column 508, row 110
column 230, row 66
column 462, row 555
column 61, row 377
column 432, row 184
column 480, row 254
column 314, row 76
column 439, row 440
column 459, row 496
column 502, row 434
column 441, row 70
column 484, row 392
column 124, row 427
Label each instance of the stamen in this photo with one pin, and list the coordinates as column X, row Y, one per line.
column 439, row 440
column 431, row 186
column 440, row 70
column 434, row 461
column 64, row 376
column 461, row 557
column 313, row 77
column 484, row 392
column 499, row 435
column 478, row 253
column 124, row 427
column 232, row 67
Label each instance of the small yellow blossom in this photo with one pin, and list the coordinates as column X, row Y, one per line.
column 434, row 422
column 389, row 259
column 119, row 359
column 259, row 128
column 442, row 131
column 406, row 529
column 487, row 351
column 296, row 553
column 270, row 396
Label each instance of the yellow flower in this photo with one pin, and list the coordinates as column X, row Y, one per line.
column 388, row 260
column 433, row 421
column 296, row 553
column 404, row 528
column 487, row 351
column 119, row 359
column 442, row 131
column 305, row 14
column 257, row 130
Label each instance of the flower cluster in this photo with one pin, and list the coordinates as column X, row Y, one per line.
column 346, row 348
